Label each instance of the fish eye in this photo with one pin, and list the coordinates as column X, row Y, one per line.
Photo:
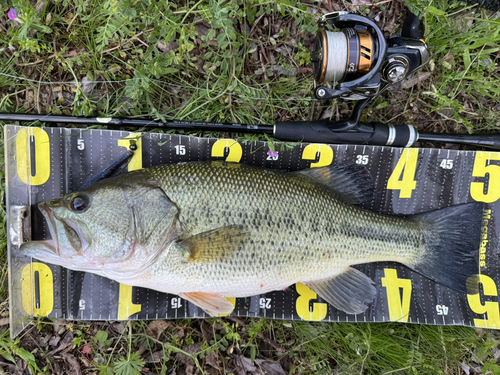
column 79, row 203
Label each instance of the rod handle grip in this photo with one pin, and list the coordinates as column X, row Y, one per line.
column 364, row 134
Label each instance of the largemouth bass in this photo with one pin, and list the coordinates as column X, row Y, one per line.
column 210, row 230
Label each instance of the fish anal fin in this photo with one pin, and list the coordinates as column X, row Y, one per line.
column 213, row 304
column 349, row 291
column 213, row 245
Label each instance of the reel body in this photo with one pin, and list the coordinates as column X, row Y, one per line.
column 358, row 61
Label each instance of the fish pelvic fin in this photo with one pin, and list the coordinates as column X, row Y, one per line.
column 214, row 245
column 352, row 182
column 213, row 304
column 451, row 246
column 349, row 291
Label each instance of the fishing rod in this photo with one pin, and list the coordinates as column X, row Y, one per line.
column 306, row 131
column 351, row 60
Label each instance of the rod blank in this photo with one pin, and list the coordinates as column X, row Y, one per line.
column 481, row 140
column 140, row 123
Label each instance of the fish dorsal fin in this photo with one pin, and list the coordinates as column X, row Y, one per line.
column 213, row 304
column 349, row 291
column 352, row 182
column 213, row 245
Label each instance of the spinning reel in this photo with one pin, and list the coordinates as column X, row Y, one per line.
column 358, row 61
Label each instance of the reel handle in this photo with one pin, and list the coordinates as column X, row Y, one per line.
column 411, row 27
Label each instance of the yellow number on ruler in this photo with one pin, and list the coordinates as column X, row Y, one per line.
column 325, row 155
column 399, row 308
column 406, row 166
column 136, row 161
column 42, row 155
column 234, row 148
column 490, row 308
column 481, row 170
column 306, row 295
column 46, row 289
column 126, row 307
column 233, row 301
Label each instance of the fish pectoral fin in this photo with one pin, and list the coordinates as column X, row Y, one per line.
column 215, row 244
column 213, row 304
column 349, row 291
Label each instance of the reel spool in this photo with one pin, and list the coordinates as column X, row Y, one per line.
column 342, row 56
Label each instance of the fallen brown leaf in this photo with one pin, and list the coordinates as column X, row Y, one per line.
column 66, row 342
column 212, row 359
column 245, row 364
column 190, row 349
column 74, row 365
column 170, row 46
column 156, row 328
column 155, row 357
column 270, row 368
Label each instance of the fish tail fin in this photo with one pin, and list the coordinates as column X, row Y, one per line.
column 451, row 246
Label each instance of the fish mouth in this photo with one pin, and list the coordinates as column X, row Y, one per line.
column 68, row 239
column 47, row 213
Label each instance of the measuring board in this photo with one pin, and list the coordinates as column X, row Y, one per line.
column 46, row 163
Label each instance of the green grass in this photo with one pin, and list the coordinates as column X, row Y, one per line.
column 226, row 61
column 465, row 44
column 299, row 347
column 388, row 348
column 159, row 59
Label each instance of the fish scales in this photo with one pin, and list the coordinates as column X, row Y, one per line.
column 307, row 227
